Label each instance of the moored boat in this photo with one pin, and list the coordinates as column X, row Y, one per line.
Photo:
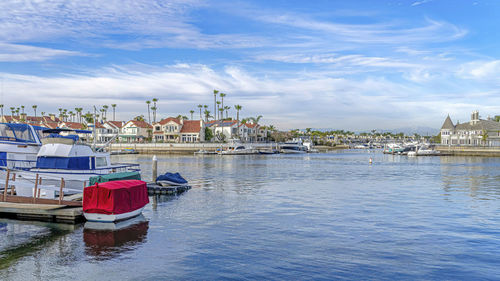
column 115, row 200
column 171, row 179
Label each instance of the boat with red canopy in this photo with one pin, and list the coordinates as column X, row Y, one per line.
column 114, row 200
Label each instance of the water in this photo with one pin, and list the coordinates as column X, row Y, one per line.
column 315, row 217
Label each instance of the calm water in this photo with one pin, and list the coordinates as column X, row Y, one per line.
column 321, row 217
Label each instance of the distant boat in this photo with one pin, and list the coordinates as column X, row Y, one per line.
column 204, row 152
column 235, row 147
column 293, row 147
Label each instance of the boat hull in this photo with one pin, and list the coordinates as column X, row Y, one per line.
column 96, row 217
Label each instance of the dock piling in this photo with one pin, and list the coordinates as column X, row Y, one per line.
column 155, row 168
column 6, row 185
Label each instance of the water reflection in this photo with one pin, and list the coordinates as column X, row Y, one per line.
column 107, row 240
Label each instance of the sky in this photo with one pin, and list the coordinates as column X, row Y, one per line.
column 356, row 65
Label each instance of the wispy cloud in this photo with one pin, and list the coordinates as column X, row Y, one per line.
column 320, row 98
column 23, row 53
column 416, row 3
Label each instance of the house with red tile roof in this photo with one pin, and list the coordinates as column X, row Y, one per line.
column 179, row 130
column 167, row 130
column 192, row 131
column 136, row 131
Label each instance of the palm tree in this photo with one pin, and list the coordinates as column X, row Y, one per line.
column 191, row 111
column 17, row 112
column 105, row 107
column 42, row 113
column 222, row 95
column 255, row 121
column 200, row 106
column 79, row 113
column 207, row 115
column 1, row 108
column 71, row 114
column 155, row 100
column 215, row 102
column 238, row 108
column 226, row 108
column 149, row 114
column 22, row 109
column 217, row 112
column 114, row 108
column 153, row 108
column 12, row 111
column 34, row 108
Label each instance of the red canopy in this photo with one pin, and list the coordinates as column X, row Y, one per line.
column 115, row 197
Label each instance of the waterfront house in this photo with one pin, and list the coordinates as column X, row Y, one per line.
column 476, row 132
column 109, row 130
column 135, row 131
column 167, row 130
column 192, row 131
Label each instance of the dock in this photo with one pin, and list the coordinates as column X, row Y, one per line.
column 42, row 212
column 154, row 188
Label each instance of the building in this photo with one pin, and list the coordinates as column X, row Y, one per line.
column 135, row 131
column 168, row 130
column 476, row 132
column 109, row 130
column 192, row 131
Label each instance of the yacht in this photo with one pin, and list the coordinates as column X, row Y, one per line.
column 293, row 147
column 65, row 157
column 235, row 147
column 19, row 145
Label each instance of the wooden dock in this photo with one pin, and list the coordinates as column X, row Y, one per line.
column 42, row 212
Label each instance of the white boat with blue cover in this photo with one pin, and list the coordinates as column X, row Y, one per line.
column 19, row 145
column 66, row 157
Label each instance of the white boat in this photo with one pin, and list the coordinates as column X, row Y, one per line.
column 237, row 148
column 427, row 151
column 94, row 217
column 115, row 200
column 65, row 157
column 19, row 145
column 293, row 147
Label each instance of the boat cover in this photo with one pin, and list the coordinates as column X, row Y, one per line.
column 115, row 177
column 115, row 197
column 177, row 178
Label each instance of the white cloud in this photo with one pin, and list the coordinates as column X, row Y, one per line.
column 21, row 53
column 315, row 100
column 481, row 70
column 416, row 3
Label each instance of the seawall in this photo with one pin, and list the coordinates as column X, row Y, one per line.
column 469, row 150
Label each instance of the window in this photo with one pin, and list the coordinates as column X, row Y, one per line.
column 100, row 162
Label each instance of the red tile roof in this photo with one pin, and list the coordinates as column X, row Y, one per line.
column 50, row 125
column 73, row 125
column 191, row 126
column 166, row 120
column 118, row 124
column 141, row 124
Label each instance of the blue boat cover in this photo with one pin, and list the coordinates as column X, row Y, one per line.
column 72, row 137
column 177, row 178
column 68, row 163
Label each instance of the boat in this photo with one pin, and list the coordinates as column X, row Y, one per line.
column 293, row 147
column 114, row 200
column 66, row 157
column 235, row 147
column 19, row 145
column 268, row 151
column 204, row 152
column 171, row 179
column 426, row 150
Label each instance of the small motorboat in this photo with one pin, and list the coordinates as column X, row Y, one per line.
column 171, row 179
column 114, row 200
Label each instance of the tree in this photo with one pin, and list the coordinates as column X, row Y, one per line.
column 208, row 134
column 139, row 118
column 34, row 108
column 207, row 115
column 217, row 112
column 114, row 108
column 497, row 118
column 105, row 107
column 222, row 95
column 149, row 114
column 191, row 111
column 1, row 108
column 226, row 108
column 255, row 121
column 200, row 107
column 12, row 111
column 238, row 108
column 155, row 100
column 22, row 109
column 215, row 101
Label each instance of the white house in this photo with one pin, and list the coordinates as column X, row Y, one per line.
column 167, row 130
column 192, row 131
column 134, row 131
column 476, row 132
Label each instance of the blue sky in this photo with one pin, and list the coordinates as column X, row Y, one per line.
column 355, row 65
